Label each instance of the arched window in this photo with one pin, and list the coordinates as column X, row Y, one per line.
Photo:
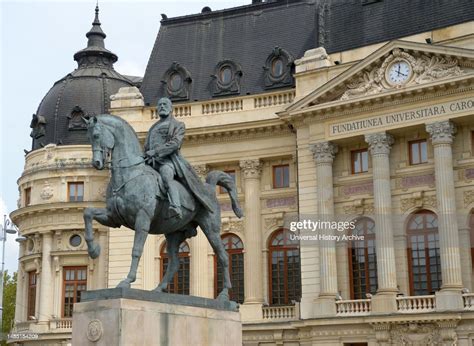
column 180, row 282
column 423, row 253
column 284, row 269
column 235, row 249
column 363, row 259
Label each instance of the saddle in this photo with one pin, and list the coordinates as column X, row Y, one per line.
column 162, row 194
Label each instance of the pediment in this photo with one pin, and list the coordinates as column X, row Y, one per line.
column 426, row 63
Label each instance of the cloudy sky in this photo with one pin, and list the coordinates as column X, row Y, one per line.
column 38, row 40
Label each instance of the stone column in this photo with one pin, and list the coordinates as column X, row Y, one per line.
column 46, row 289
column 442, row 135
column 465, row 247
column 323, row 154
column 379, row 147
column 20, row 301
column 253, row 266
column 199, row 266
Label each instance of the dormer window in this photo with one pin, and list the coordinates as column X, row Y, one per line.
column 278, row 69
column 227, row 78
column 76, row 119
column 177, row 81
column 225, row 75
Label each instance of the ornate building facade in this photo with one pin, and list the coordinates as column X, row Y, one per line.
column 316, row 110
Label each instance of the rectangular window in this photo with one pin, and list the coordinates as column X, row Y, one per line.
column 281, row 176
column 31, row 294
column 418, row 152
column 360, row 161
column 232, row 174
column 76, row 191
column 74, row 282
column 27, row 196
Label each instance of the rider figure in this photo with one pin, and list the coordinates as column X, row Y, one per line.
column 162, row 151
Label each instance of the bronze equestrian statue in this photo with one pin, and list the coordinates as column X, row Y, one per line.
column 163, row 197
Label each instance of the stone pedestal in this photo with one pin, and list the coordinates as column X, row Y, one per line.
column 134, row 317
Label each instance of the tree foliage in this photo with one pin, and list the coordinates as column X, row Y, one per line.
column 9, row 297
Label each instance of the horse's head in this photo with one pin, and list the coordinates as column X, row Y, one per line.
column 102, row 141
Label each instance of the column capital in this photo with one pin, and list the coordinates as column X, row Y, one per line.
column 323, row 152
column 201, row 170
column 251, row 168
column 379, row 143
column 441, row 132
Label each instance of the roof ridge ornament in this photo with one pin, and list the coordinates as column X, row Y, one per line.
column 95, row 53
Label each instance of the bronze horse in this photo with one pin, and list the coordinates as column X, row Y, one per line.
column 135, row 200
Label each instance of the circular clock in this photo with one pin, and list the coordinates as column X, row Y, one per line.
column 399, row 72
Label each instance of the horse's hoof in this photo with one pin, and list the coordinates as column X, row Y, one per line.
column 124, row 284
column 94, row 251
column 223, row 296
column 158, row 290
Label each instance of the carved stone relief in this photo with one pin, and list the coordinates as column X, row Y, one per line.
column 426, row 68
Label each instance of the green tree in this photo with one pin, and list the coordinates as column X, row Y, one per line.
column 9, row 297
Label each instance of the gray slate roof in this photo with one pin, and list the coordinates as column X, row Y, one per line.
column 247, row 35
column 89, row 87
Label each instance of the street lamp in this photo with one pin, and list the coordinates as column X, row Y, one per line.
column 10, row 228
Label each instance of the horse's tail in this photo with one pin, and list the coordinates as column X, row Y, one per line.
column 225, row 180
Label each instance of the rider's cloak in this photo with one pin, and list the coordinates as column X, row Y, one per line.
column 171, row 150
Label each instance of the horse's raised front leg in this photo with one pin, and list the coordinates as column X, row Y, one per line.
column 103, row 217
column 172, row 247
column 142, row 226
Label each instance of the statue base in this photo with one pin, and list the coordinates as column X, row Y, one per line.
column 123, row 316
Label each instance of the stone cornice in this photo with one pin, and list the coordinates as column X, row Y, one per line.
column 51, row 208
column 232, row 133
column 460, row 85
column 462, row 57
column 237, row 132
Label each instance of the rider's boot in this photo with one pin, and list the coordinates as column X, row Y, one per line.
column 175, row 205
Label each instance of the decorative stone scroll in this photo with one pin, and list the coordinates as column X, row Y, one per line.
column 426, row 69
column 441, row 132
column 201, row 171
column 47, row 191
column 418, row 200
column 251, row 168
column 359, row 207
column 323, row 152
column 379, row 143
column 468, row 198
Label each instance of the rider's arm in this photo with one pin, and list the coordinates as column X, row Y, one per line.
column 174, row 143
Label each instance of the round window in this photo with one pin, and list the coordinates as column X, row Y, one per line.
column 75, row 240
column 225, row 75
column 277, row 67
column 176, row 81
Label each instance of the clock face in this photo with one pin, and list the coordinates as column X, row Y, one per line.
column 399, row 72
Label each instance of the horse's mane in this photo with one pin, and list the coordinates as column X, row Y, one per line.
column 119, row 123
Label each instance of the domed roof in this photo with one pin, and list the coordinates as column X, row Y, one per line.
column 84, row 92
